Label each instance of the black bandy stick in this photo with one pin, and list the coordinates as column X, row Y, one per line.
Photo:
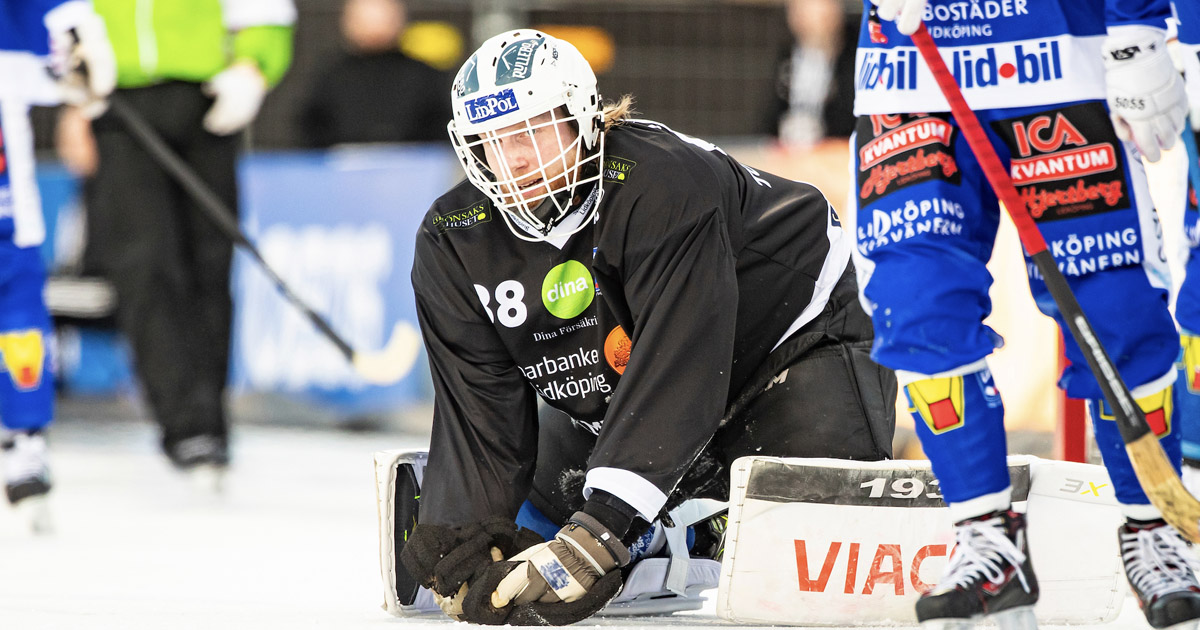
column 384, row 367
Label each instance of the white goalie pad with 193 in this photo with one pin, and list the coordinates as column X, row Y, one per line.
column 842, row 543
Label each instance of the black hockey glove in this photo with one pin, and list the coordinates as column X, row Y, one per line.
column 559, row 582
column 443, row 559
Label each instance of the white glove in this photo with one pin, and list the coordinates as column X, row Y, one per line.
column 81, row 57
column 906, row 13
column 1146, row 98
column 239, row 91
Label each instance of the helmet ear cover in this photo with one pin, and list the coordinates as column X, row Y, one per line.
column 510, row 80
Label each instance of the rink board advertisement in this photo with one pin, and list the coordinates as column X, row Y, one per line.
column 339, row 228
column 831, row 542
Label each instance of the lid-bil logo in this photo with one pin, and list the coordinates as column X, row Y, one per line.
column 491, row 106
column 462, row 219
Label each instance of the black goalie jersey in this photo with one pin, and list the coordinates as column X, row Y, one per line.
column 641, row 326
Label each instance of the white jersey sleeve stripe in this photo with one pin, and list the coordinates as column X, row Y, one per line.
column 18, row 151
column 627, row 486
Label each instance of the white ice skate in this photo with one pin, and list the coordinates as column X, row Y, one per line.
column 27, row 478
column 1157, row 563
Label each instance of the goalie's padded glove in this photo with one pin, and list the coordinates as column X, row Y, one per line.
column 1146, row 97
column 477, row 606
column 444, row 558
column 566, row 579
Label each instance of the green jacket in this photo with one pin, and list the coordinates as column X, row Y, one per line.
column 192, row 40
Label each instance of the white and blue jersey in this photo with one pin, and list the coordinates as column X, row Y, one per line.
column 24, row 81
column 925, row 221
column 1003, row 53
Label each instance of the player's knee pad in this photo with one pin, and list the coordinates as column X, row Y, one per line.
column 1156, row 400
column 24, row 355
column 833, row 542
column 398, row 477
column 959, row 418
column 26, row 384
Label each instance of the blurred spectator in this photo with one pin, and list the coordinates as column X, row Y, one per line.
column 197, row 75
column 373, row 92
column 814, row 85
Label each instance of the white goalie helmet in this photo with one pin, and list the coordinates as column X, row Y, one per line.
column 527, row 129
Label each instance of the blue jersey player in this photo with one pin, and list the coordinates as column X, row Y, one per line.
column 1072, row 93
column 1187, row 307
column 35, row 36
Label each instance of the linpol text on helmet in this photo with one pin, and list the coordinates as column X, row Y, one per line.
column 491, row 106
column 517, row 60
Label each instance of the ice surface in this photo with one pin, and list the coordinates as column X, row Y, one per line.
column 290, row 545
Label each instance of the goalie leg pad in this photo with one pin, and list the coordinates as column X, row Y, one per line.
column 862, row 540
column 398, row 475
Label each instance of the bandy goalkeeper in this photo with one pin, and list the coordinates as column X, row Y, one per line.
column 679, row 308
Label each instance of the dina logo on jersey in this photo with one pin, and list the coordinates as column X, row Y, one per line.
column 568, row 290
column 491, row 106
column 462, row 219
column 984, row 67
column 888, row 70
column 616, row 169
column 516, row 62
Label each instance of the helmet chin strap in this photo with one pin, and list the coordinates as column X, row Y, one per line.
column 548, row 210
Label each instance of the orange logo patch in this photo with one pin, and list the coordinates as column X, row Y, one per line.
column 617, row 347
column 939, row 401
column 1191, row 361
column 24, row 355
column 1157, row 408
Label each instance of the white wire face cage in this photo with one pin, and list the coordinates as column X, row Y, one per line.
column 526, row 129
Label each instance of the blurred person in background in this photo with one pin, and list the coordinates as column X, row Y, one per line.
column 814, row 75
column 197, row 73
column 373, row 92
column 34, row 34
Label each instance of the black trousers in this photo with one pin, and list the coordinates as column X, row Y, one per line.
column 169, row 264
column 818, row 394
